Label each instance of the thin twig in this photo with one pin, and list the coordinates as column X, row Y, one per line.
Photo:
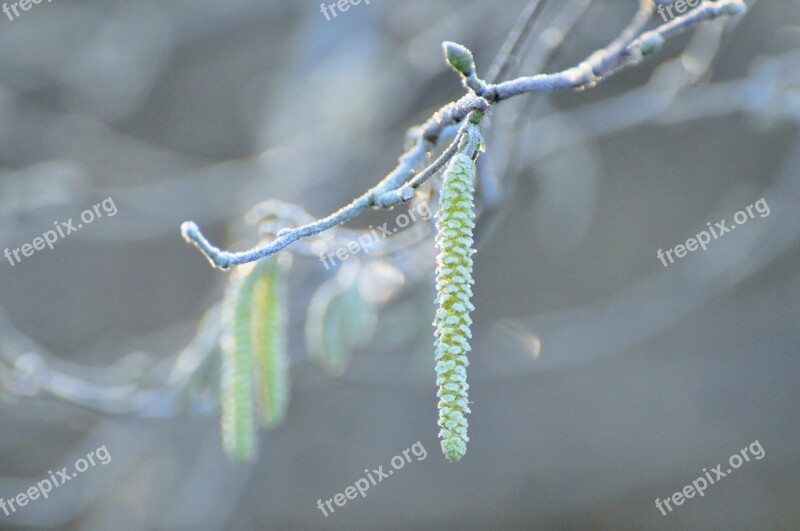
column 612, row 59
column 406, row 192
column 429, row 133
column 515, row 40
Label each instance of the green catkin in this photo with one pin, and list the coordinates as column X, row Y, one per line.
column 453, row 286
column 237, row 404
column 268, row 337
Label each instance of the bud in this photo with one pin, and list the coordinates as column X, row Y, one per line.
column 651, row 43
column 459, row 57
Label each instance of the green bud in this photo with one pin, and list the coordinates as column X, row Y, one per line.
column 651, row 43
column 459, row 57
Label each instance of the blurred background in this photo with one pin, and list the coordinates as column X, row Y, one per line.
column 600, row 380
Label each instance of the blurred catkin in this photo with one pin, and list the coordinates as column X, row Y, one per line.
column 269, row 314
column 254, row 365
column 237, row 406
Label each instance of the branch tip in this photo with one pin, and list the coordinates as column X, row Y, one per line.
column 192, row 234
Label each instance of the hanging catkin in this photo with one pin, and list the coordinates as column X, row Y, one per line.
column 254, row 365
column 453, row 286
column 269, row 313
column 237, row 405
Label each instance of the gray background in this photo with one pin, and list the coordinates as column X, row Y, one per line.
column 196, row 110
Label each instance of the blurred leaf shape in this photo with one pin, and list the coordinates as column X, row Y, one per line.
column 339, row 319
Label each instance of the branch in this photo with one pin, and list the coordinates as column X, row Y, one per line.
column 618, row 55
column 408, row 190
column 427, row 137
column 627, row 49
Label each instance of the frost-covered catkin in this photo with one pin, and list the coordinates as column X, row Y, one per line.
column 237, row 404
column 453, row 286
column 253, row 374
column 268, row 338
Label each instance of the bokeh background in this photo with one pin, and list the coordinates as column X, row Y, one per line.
column 600, row 380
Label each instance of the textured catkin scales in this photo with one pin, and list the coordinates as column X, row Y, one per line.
column 269, row 342
column 453, row 286
column 237, row 405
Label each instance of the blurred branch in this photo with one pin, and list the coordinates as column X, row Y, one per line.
column 542, row 51
column 124, row 388
column 515, row 41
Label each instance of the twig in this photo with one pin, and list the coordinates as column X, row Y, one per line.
column 516, row 39
column 407, row 191
column 615, row 57
column 625, row 50
column 428, row 135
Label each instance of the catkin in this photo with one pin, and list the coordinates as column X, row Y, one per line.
column 254, row 381
column 453, row 286
column 237, row 405
column 268, row 338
